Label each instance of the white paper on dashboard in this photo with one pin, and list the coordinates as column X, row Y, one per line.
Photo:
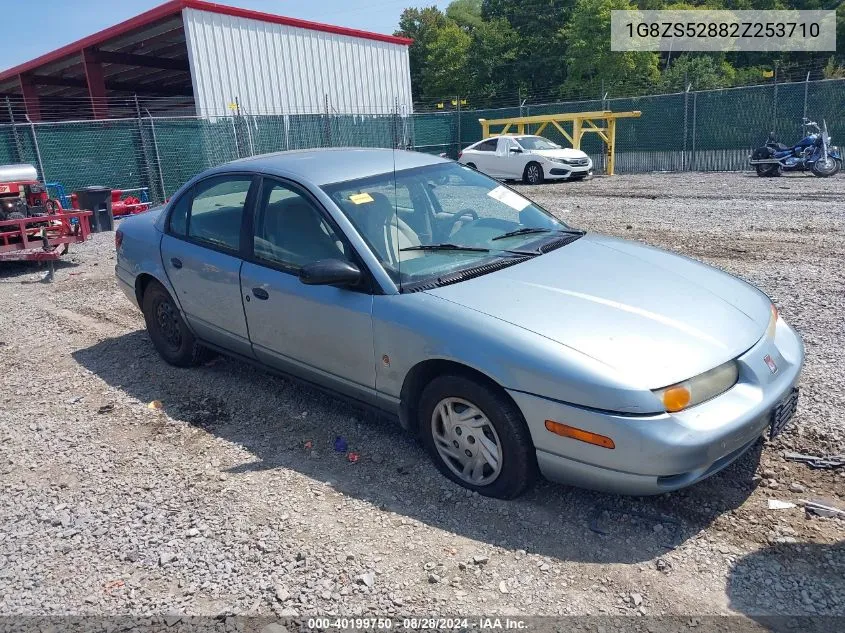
column 513, row 200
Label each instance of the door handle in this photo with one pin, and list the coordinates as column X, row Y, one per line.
column 177, row 263
column 260, row 293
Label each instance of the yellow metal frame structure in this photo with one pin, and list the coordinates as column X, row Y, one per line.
column 582, row 122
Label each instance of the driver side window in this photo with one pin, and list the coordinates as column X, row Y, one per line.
column 291, row 232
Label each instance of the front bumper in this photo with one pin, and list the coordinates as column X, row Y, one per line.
column 664, row 452
column 562, row 171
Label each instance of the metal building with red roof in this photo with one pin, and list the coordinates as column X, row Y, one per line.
column 211, row 56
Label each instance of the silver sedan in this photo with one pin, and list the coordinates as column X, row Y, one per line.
column 512, row 344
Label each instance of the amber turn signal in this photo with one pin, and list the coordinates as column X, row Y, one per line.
column 773, row 323
column 676, row 398
column 565, row 430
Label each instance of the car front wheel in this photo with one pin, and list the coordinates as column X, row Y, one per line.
column 533, row 174
column 477, row 437
column 168, row 331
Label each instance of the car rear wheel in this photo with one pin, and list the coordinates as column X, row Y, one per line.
column 533, row 174
column 168, row 332
column 477, row 437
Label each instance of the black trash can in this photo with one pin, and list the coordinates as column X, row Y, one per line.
column 98, row 200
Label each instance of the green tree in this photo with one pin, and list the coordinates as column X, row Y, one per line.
column 422, row 26
column 446, row 62
column 466, row 14
column 590, row 64
column 702, row 71
column 491, row 60
column 833, row 70
column 537, row 25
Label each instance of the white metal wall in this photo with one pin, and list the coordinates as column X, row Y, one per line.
column 275, row 68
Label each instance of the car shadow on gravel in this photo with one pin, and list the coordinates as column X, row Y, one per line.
column 286, row 425
column 11, row 271
column 791, row 587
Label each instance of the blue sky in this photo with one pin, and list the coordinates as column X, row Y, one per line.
column 34, row 27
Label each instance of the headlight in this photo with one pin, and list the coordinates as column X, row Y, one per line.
column 565, row 161
column 773, row 323
column 698, row 389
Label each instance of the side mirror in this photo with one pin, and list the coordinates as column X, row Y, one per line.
column 330, row 272
column 516, row 150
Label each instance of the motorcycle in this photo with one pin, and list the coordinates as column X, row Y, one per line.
column 813, row 152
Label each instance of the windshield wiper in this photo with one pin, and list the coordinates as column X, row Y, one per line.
column 530, row 229
column 526, row 230
column 445, row 247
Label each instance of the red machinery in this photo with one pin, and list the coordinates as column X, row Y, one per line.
column 32, row 225
column 128, row 205
column 120, row 206
column 42, row 238
column 21, row 194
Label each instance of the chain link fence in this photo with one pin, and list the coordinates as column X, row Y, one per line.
column 710, row 130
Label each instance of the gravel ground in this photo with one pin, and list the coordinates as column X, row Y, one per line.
column 212, row 503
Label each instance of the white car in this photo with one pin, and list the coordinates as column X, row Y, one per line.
column 531, row 159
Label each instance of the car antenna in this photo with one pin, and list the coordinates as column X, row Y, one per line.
column 395, row 194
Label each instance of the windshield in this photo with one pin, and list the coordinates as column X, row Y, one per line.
column 536, row 142
column 427, row 222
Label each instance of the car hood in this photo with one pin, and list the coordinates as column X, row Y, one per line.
column 654, row 317
column 563, row 152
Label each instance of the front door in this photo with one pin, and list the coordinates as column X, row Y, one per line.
column 322, row 333
column 200, row 252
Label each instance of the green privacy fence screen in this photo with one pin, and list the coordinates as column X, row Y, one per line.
column 695, row 130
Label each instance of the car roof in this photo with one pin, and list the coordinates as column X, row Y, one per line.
column 496, row 137
column 329, row 165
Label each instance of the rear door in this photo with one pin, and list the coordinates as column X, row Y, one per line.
column 321, row 333
column 485, row 156
column 201, row 255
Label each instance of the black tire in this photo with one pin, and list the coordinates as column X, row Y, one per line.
column 472, row 166
column 768, row 170
column 168, row 332
column 533, row 174
column 518, row 457
column 830, row 169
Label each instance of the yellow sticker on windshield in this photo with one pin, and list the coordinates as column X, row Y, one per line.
column 360, row 198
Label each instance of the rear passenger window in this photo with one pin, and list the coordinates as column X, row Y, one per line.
column 216, row 211
column 486, row 146
column 179, row 215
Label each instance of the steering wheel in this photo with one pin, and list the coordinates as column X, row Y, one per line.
column 459, row 214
